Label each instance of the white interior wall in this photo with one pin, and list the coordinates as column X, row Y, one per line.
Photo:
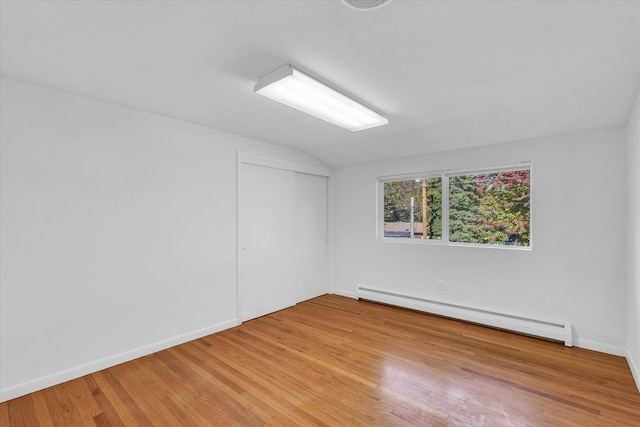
column 576, row 270
column 633, row 254
column 118, row 233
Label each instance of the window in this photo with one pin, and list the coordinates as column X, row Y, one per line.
column 477, row 207
column 413, row 208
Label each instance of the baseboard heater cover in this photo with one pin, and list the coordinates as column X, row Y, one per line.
column 558, row 331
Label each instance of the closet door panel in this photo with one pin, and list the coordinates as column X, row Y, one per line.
column 311, row 236
column 266, row 240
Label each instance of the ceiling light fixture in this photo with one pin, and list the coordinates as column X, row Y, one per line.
column 365, row 4
column 296, row 89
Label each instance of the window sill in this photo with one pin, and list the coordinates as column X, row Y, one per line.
column 433, row 242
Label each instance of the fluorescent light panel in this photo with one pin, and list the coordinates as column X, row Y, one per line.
column 296, row 89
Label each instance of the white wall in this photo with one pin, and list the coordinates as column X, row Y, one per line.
column 118, row 233
column 633, row 255
column 576, row 270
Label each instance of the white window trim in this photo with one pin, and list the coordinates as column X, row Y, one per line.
column 445, row 175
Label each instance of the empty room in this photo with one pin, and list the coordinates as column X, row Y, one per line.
column 319, row 212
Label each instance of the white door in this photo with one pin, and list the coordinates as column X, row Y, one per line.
column 266, row 258
column 312, row 258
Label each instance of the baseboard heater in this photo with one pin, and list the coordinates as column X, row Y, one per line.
column 558, row 331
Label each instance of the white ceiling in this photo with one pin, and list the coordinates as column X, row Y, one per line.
column 448, row 74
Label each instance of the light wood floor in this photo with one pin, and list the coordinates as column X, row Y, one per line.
column 338, row 362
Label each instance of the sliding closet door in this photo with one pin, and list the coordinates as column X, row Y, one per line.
column 312, row 259
column 266, row 219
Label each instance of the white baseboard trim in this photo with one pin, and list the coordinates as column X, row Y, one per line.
column 41, row 383
column 635, row 372
column 344, row 293
column 601, row 347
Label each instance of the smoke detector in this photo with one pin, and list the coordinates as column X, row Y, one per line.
column 365, row 4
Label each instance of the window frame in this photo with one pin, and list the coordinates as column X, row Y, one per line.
column 445, row 175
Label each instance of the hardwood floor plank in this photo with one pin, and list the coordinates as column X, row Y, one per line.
column 259, row 382
column 61, row 405
column 22, row 412
column 127, row 407
column 4, row 414
column 136, row 380
column 225, row 410
column 284, row 369
column 42, row 412
column 108, row 415
column 336, row 361
column 231, row 387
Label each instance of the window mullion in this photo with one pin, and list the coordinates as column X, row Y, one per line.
column 445, row 208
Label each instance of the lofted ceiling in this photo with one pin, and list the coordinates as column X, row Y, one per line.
column 447, row 74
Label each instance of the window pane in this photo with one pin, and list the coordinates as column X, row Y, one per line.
column 406, row 219
column 490, row 208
